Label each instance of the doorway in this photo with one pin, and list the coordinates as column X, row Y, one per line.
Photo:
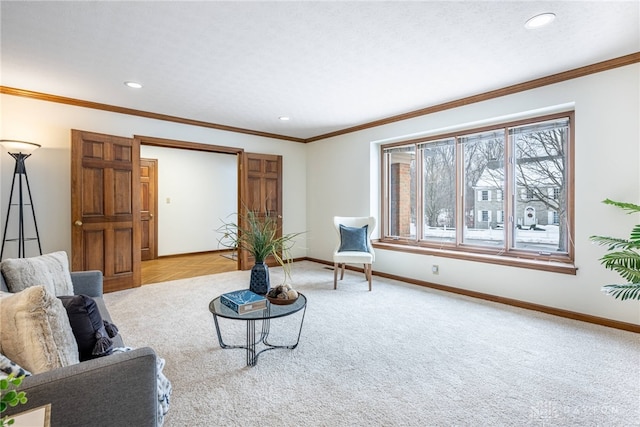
column 208, row 185
column 121, row 265
column 195, row 191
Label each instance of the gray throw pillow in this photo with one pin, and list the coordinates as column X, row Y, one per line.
column 50, row 270
column 353, row 239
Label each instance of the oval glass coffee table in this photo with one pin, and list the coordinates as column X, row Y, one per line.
column 272, row 311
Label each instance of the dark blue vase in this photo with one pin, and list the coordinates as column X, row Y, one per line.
column 259, row 279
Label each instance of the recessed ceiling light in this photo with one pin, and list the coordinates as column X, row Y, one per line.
column 134, row 85
column 540, row 20
column 284, row 118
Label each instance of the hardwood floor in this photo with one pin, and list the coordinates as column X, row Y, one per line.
column 189, row 265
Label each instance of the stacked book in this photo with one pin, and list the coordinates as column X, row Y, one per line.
column 243, row 301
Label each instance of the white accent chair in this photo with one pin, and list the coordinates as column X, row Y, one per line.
column 353, row 247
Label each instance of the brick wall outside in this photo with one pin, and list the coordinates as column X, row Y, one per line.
column 400, row 199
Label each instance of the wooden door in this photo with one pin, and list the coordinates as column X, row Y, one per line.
column 148, row 209
column 261, row 192
column 105, row 207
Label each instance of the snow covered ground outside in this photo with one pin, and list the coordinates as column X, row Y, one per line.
column 545, row 239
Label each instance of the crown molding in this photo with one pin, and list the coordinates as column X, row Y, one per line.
column 140, row 113
column 509, row 90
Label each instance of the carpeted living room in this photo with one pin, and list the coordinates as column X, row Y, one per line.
column 477, row 140
column 401, row 355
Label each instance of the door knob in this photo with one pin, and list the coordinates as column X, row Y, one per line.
column 150, row 215
column 78, row 223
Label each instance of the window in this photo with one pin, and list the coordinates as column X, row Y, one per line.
column 530, row 193
column 477, row 150
column 401, row 182
column 438, row 191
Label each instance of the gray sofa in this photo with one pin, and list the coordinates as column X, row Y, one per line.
column 115, row 390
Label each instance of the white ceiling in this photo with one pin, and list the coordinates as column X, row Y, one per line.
column 327, row 65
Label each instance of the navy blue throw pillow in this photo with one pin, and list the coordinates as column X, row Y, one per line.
column 353, row 239
column 92, row 334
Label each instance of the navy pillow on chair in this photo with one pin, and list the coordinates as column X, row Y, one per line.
column 92, row 334
column 353, row 239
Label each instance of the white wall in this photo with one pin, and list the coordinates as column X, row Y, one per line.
column 50, row 124
column 343, row 181
column 196, row 191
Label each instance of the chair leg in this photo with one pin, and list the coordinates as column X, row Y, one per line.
column 336, row 266
column 369, row 270
column 342, row 272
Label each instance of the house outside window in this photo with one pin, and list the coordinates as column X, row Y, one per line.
column 449, row 182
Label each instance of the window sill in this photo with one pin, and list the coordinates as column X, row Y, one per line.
column 511, row 261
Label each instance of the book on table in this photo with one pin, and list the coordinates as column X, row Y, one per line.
column 243, row 301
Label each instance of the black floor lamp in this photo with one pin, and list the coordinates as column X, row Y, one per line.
column 20, row 150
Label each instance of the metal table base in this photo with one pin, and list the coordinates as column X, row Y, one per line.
column 254, row 341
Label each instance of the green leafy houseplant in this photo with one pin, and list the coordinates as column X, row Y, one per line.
column 258, row 235
column 10, row 396
column 623, row 257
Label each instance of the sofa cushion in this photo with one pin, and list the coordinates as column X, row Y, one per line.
column 90, row 330
column 35, row 331
column 50, row 270
column 353, row 239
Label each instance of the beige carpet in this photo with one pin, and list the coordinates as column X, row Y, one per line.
column 398, row 356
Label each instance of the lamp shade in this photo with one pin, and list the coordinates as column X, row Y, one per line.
column 13, row 146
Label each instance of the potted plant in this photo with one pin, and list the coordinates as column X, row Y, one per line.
column 623, row 257
column 10, row 397
column 258, row 235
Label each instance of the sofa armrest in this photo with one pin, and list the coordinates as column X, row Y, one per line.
column 116, row 390
column 87, row 283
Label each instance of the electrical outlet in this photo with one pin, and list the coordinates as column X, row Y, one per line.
column 168, row 200
column 435, row 269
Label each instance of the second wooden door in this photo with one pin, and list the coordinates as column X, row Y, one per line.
column 148, row 209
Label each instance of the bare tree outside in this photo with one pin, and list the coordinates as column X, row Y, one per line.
column 484, row 166
column 439, row 173
column 540, row 171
